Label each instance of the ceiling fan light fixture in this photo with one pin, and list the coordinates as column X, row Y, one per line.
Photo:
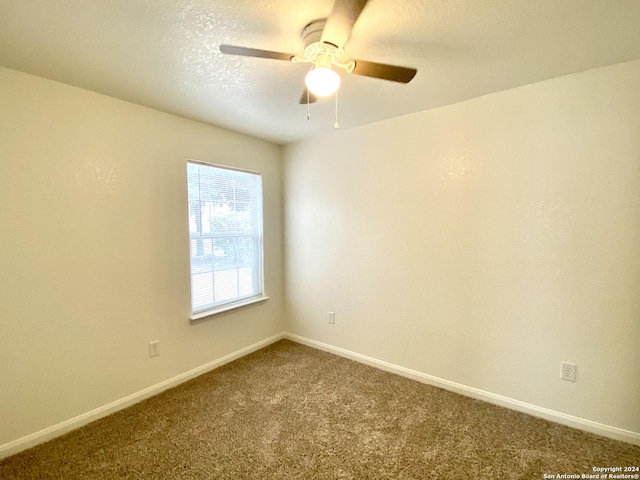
column 322, row 81
column 324, row 41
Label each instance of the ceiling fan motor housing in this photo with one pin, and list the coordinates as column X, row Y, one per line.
column 315, row 49
column 312, row 33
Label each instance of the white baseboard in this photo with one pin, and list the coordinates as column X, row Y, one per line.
column 61, row 428
column 551, row 415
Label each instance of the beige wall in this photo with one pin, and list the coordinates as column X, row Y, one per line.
column 94, row 250
column 482, row 243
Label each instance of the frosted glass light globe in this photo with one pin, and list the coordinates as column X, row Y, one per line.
column 322, row 81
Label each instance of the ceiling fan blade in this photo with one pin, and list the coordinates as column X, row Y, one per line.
column 341, row 21
column 254, row 52
column 384, row 71
column 303, row 98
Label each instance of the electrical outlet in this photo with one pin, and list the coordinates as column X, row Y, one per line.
column 568, row 371
column 154, row 348
column 331, row 317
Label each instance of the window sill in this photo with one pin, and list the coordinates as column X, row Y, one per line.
column 196, row 317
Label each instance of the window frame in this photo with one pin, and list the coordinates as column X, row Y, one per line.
column 227, row 307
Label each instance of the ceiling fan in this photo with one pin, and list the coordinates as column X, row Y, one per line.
column 324, row 42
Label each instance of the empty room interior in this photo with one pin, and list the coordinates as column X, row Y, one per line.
column 328, row 239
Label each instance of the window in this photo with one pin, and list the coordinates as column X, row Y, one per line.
column 225, row 230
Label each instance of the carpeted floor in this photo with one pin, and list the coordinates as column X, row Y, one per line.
column 293, row 412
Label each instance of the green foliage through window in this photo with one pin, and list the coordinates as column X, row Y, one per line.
column 225, row 229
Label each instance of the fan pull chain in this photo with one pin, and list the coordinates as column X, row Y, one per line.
column 336, row 125
column 308, row 113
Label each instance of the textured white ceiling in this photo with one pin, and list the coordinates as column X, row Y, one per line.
column 164, row 53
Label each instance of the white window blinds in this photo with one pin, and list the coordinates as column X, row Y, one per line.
column 225, row 229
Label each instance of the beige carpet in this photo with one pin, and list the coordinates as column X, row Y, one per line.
column 293, row 412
